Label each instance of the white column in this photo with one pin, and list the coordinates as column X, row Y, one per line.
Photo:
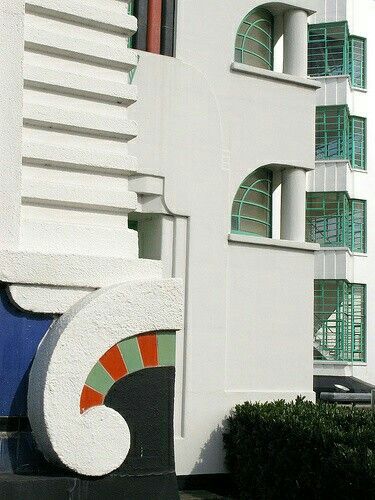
column 11, row 87
column 295, row 42
column 293, row 204
column 293, row 190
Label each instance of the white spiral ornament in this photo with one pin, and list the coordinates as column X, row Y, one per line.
column 96, row 441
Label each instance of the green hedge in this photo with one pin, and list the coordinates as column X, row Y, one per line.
column 301, row 450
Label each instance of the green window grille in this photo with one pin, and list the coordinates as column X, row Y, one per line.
column 339, row 321
column 252, row 205
column 333, row 51
column 332, row 132
column 357, row 144
column 335, row 220
column 359, row 226
column 339, row 136
column 327, row 49
column 357, row 50
column 254, row 40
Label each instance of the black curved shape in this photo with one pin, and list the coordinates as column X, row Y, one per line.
column 146, row 401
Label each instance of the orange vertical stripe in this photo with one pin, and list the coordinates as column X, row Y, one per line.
column 90, row 398
column 113, row 362
column 154, row 26
column 149, row 349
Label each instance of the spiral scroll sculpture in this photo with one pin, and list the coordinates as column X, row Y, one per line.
column 70, row 426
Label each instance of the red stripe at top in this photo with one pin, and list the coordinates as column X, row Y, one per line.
column 113, row 362
column 149, row 349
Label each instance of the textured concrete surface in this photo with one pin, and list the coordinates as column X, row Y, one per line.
column 97, row 441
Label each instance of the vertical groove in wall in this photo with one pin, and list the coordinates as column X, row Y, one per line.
column 187, row 234
column 141, row 13
column 180, row 270
column 154, row 26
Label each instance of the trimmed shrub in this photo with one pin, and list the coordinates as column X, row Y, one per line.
column 301, row 450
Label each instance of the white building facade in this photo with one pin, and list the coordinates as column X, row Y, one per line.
column 236, row 173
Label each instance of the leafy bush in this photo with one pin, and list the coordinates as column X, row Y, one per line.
column 301, row 450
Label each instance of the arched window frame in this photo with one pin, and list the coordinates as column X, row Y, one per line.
column 249, row 185
column 265, row 17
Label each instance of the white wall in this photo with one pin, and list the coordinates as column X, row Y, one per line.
column 270, row 319
column 205, row 128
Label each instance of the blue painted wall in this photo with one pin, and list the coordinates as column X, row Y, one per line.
column 20, row 334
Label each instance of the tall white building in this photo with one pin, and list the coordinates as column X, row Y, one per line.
column 339, row 205
column 223, row 144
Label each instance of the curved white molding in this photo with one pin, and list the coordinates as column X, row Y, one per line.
column 96, row 442
column 73, row 270
column 47, row 299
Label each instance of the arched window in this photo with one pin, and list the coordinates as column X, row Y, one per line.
column 254, row 40
column 252, row 205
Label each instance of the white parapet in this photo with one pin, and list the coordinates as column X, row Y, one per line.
column 75, row 196
column 65, row 164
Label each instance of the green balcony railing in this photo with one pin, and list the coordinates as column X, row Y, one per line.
column 335, row 220
column 332, row 51
column 340, row 136
column 339, row 321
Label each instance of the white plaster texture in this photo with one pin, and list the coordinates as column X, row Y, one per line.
column 96, row 442
column 11, row 84
column 74, row 197
column 69, row 270
column 47, row 299
column 243, row 298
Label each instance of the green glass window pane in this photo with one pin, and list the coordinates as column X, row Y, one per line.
column 240, row 193
column 357, row 61
column 263, row 184
column 253, row 227
column 333, row 51
column 333, row 219
column 252, row 206
column 328, row 46
column 254, row 40
column 357, row 145
column 254, row 212
column 358, row 226
column 239, row 41
column 332, row 133
column 235, row 224
column 339, row 321
column 235, row 208
column 238, row 55
column 260, row 198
